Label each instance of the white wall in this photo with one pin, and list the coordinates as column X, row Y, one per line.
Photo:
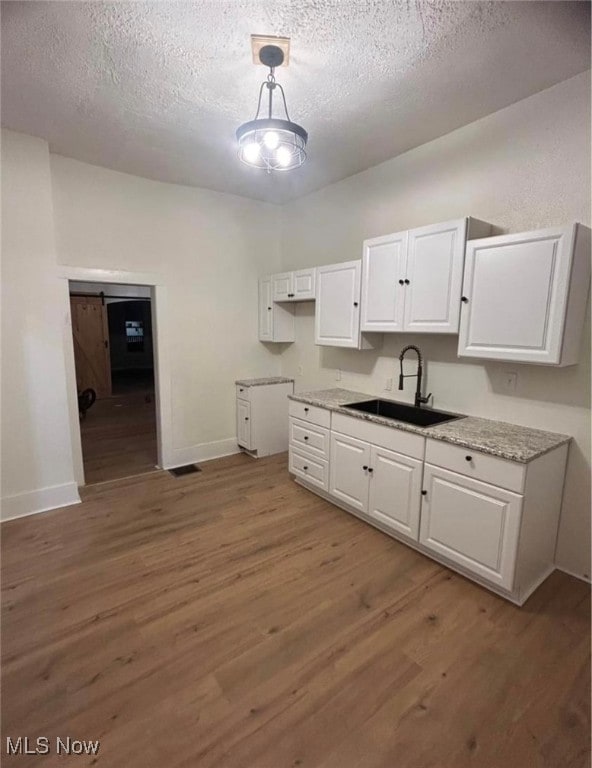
column 524, row 167
column 208, row 249
column 37, row 470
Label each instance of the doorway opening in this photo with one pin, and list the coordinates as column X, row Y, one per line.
column 112, row 332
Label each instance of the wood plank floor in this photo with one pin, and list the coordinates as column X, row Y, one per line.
column 231, row 619
column 119, row 437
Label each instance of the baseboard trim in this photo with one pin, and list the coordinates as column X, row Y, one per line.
column 42, row 500
column 581, row 577
column 202, row 452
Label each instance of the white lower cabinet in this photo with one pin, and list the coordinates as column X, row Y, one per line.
column 381, row 483
column 350, row 461
column 262, row 416
column 243, row 424
column 395, row 491
column 492, row 519
column 471, row 523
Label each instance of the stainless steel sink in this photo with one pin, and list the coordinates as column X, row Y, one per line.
column 421, row 417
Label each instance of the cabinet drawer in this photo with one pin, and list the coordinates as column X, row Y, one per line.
column 310, row 468
column 391, row 438
column 309, row 437
column 311, row 413
column 243, row 393
column 480, row 466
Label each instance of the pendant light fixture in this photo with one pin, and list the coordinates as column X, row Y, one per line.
column 268, row 142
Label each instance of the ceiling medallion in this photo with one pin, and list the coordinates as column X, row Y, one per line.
column 268, row 142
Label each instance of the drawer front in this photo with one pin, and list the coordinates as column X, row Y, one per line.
column 407, row 443
column 310, row 468
column 309, row 437
column 243, row 393
column 311, row 413
column 479, row 466
column 472, row 524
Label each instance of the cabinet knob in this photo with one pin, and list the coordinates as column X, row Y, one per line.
column 355, row 303
column 468, row 458
column 306, row 437
column 305, row 467
column 365, row 467
column 246, row 418
column 406, row 281
column 306, row 410
column 370, row 469
column 269, row 309
column 424, row 493
column 401, row 282
column 241, row 390
column 464, row 299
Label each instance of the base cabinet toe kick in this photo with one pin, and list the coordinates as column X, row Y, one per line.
column 490, row 519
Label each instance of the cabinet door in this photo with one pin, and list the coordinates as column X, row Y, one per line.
column 515, row 294
column 243, row 423
column 304, row 284
column 435, row 258
column 383, row 287
column 265, row 310
column 282, row 286
column 348, row 478
column 395, row 491
column 471, row 523
column 337, row 315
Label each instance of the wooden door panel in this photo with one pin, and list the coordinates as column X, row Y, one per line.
column 90, row 331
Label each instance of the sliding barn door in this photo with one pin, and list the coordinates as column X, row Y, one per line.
column 91, row 344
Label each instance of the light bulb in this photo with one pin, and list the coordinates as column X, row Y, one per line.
column 283, row 156
column 271, row 139
column 251, row 152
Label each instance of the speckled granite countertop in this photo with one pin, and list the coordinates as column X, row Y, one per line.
column 263, row 382
column 497, row 438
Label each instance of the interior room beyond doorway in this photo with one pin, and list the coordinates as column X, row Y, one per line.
column 114, row 361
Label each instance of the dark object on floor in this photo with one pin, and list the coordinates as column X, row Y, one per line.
column 86, row 399
column 188, row 469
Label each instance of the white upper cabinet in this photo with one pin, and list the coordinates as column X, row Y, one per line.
column 337, row 313
column 294, row 286
column 276, row 322
column 283, row 286
column 265, row 311
column 411, row 281
column 433, row 281
column 384, row 262
column 524, row 296
column 304, row 284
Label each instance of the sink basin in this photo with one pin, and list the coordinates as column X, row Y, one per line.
column 421, row 417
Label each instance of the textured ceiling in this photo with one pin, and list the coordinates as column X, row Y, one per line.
column 158, row 88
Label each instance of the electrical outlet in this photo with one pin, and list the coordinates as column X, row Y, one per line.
column 338, row 375
column 389, row 385
column 300, row 370
column 509, row 380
